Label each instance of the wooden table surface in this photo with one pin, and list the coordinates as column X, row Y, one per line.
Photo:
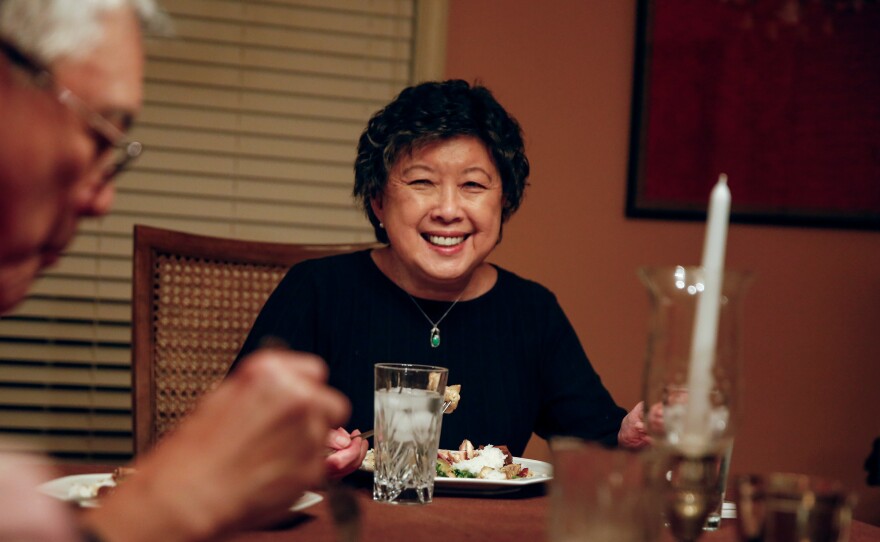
column 450, row 518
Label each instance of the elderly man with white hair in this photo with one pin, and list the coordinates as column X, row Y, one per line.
column 70, row 87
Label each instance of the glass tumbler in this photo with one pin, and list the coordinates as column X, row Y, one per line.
column 789, row 507
column 408, row 404
column 599, row 494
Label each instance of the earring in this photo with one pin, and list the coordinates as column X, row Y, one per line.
column 382, row 226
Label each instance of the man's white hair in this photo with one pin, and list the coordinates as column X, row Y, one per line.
column 52, row 29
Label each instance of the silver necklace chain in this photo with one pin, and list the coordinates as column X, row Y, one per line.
column 435, row 329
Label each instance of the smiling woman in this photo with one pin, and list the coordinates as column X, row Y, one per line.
column 441, row 210
column 439, row 171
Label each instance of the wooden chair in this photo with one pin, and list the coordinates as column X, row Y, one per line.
column 194, row 301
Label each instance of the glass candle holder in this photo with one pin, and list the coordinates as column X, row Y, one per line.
column 694, row 476
column 675, row 293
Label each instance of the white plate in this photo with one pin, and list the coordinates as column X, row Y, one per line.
column 76, row 488
column 72, row 488
column 308, row 499
column 543, row 473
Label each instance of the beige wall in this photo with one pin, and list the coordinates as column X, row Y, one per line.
column 812, row 337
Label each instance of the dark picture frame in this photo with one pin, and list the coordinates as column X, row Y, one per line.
column 790, row 112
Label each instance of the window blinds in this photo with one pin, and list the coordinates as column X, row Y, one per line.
column 251, row 116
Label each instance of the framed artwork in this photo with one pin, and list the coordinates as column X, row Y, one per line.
column 787, row 104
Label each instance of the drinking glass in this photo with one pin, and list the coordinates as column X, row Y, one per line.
column 786, row 507
column 695, row 479
column 408, row 403
column 599, row 493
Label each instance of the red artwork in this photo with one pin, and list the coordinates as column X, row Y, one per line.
column 791, row 112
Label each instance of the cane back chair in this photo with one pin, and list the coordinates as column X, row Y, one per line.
column 194, row 300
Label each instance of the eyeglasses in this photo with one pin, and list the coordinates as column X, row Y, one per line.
column 110, row 139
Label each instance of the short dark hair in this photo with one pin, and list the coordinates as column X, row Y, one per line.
column 437, row 111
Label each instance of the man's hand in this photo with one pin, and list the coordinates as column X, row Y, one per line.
column 240, row 460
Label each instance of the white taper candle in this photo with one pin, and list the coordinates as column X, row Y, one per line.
column 697, row 435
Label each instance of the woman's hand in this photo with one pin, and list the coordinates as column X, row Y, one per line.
column 633, row 435
column 349, row 454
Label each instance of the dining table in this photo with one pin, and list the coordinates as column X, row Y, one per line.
column 459, row 516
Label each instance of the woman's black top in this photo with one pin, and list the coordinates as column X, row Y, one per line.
column 514, row 352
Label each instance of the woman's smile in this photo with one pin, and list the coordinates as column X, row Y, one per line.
column 444, row 240
column 442, row 211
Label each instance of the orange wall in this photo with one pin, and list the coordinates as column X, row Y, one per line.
column 812, row 336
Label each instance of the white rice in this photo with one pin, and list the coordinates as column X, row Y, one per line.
column 489, row 456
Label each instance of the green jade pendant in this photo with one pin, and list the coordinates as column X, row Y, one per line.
column 434, row 338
